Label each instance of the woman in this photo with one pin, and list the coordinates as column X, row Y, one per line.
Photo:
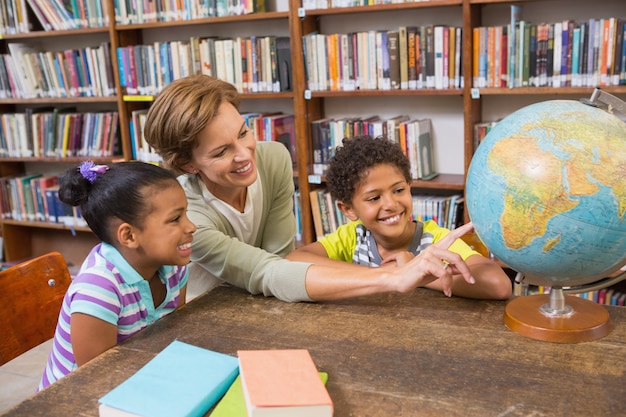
column 240, row 198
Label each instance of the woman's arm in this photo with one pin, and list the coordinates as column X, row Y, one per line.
column 316, row 253
column 434, row 263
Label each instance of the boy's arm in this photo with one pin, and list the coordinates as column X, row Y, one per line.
column 491, row 281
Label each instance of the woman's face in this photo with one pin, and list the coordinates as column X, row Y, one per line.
column 225, row 157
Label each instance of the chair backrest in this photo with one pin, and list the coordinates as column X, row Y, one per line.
column 31, row 294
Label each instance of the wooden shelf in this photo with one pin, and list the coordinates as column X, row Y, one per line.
column 59, row 100
column 584, row 92
column 391, row 93
column 37, row 34
column 384, row 7
column 46, row 225
column 209, row 20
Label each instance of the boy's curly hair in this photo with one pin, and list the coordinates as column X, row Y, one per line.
column 355, row 157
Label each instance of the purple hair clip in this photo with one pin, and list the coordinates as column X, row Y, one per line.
column 90, row 171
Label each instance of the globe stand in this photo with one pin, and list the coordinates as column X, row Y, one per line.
column 556, row 318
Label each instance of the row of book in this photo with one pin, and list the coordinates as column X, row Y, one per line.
column 446, row 211
column 277, row 127
column 481, row 129
column 15, row 15
column 414, row 137
column 35, row 197
column 28, row 73
column 331, row 4
column 134, row 12
column 59, row 133
column 560, row 54
column 326, row 214
column 140, row 149
column 607, row 296
column 253, row 64
column 410, row 57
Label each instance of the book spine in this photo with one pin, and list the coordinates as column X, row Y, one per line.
column 575, row 73
column 403, row 57
column 394, row 64
column 532, row 71
column 411, row 54
column 617, row 57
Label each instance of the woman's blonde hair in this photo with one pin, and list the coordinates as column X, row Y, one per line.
column 179, row 114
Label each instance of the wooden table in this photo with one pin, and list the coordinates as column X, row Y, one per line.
column 420, row 354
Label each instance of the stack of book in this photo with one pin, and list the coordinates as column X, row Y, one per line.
column 259, row 383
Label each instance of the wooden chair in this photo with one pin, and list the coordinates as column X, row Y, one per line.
column 31, row 294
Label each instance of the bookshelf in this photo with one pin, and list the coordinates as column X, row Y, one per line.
column 23, row 239
column 453, row 111
column 453, row 136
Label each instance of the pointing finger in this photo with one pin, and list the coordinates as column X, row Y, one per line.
column 449, row 239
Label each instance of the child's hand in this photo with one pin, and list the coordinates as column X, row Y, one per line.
column 437, row 262
column 398, row 259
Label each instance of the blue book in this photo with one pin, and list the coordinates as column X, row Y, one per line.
column 182, row 380
column 566, row 48
column 52, row 195
column 576, row 57
column 59, row 75
column 516, row 12
column 164, row 57
column 120, row 58
column 133, row 139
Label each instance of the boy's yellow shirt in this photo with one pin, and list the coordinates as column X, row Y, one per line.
column 341, row 244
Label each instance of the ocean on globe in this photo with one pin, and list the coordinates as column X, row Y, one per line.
column 546, row 191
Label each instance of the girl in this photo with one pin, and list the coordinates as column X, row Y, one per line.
column 136, row 275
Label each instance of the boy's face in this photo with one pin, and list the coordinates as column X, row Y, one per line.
column 383, row 202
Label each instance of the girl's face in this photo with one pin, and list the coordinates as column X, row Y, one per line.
column 225, row 157
column 166, row 234
column 383, row 202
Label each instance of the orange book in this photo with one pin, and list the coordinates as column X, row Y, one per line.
column 316, row 213
column 282, row 383
column 451, row 57
column 333, row 61
column 604, row 44
column 402, row 137
column 475, row 55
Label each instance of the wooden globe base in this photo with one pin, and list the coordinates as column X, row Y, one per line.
column 589, row 321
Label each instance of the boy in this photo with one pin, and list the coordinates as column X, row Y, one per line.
column 370, row 179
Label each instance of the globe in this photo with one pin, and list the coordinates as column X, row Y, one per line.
column 546, row 191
